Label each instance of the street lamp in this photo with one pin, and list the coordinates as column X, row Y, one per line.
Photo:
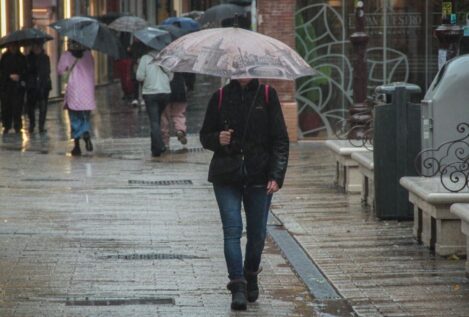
column 359, row 112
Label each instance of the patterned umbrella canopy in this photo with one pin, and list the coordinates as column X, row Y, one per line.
column 128, row 24
column 233, row 53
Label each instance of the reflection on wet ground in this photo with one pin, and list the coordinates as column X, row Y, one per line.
column 117, row 232
column 376, row 265
column 114, row 118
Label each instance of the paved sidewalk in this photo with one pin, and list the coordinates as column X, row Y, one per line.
column 376, row 265
column 81, row 231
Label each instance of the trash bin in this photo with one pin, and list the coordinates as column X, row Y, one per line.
column 396, row 143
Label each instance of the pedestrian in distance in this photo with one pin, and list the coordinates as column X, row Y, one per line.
column 136, row 50
column 245, row 128
column 76, row 65
column 155, row 91
column 12, row 87
column 175, row 111
column 38, row 85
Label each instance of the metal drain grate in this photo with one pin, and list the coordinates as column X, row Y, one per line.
column 161, row 183
column 188, row 150
column 121, row 302
column 152, row 256
column 48, row 180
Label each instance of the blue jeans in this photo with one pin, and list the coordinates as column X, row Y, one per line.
column 155, row 105
column 80, row 122
column 256, row 206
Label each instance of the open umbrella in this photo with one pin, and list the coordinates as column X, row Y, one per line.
column 90, row 33
column 187, row 24
column 238, row 2
column 173, row 30
column 153, row 37
column 109, row 17
column 196, row 15
column 25, row 37
column 214, row 16
column 128, row 24
column 233, row 53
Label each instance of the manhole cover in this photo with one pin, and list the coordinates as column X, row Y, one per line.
column 120, row 302
column 161, row 183
column 151, row 256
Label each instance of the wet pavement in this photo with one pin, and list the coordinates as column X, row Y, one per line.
column 117, row 233
column 376, row 265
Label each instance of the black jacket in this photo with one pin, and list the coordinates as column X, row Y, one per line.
column 38, row 73
column 180, row 82
column 12, row 64
column 266, row 144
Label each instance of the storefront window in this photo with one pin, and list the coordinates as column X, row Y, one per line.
column 401, row 48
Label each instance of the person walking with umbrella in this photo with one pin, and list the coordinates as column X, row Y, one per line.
column 175, row 111
column 155, row 91
column 245, row 128
column 12, row 77
column 77, row 64
column 38, row 85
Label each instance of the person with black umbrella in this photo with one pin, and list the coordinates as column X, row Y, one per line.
column 77, row 67
column 12, row 84
column 38, row 85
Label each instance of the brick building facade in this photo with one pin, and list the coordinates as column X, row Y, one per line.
column 277, row 19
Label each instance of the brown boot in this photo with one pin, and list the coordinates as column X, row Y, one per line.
column 238, row 294
column 252, row 286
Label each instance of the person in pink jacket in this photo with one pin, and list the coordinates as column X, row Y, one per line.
column 78, row 65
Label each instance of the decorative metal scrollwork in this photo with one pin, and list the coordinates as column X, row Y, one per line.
column 358, row 135
column 449, row 161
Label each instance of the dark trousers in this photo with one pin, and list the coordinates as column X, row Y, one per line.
column 256, row 203
column 39, row 99
column 155, row 105
column 12, row 107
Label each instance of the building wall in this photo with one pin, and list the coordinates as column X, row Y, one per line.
column 275, row 19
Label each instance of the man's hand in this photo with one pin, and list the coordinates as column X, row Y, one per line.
column 225, row 137
column 272, row 187
column 15, row 77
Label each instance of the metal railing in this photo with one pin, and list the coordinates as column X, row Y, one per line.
column 359, row 133
column 449, row 161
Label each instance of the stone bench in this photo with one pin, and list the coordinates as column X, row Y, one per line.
column 347, row 174
column 366, row 169
column 462, row 212
column 434, row 225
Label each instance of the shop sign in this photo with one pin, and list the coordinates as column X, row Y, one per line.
column 397, row 24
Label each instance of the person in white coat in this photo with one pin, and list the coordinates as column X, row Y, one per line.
column 155, row 91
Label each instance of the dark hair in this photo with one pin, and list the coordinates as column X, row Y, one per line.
column 77, row 53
